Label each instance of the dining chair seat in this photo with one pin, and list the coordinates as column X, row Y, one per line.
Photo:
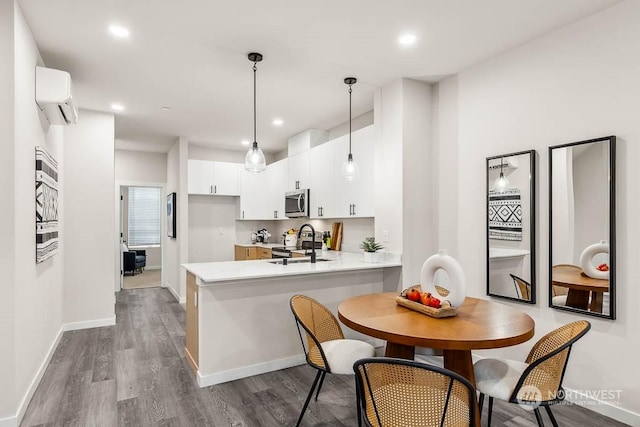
column 498, row 377
column 342, row 353
column 559, row 300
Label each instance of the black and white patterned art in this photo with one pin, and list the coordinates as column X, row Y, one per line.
column 505, row 215
column 46, row 205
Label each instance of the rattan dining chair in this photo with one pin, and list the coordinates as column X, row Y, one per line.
column 397, row 392
column 326, row 349
column 523, row 288
column 535, row 382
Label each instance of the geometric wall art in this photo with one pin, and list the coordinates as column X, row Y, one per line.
column 505, row 215
column 46, row 205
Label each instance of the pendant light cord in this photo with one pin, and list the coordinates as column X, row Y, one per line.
column 255, row 68
column 350, row 121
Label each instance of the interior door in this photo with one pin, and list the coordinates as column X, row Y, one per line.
column 121, row 236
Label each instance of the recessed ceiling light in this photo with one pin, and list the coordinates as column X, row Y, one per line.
column 117, row 107
column 118, row 31
column 277, row 122
column 245, row 142
column 407, row 39
column 165, row 108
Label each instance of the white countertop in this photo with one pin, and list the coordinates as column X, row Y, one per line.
column 212, row 273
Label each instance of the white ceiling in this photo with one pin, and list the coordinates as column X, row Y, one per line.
column 191, row 56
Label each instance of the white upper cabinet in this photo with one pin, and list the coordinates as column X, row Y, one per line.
column 226, row 178
column 299, row 174
column 277, row 186
column 321, row 172
column 200, row 177
column 354, row 199
column 252, row 194
column 218, row 178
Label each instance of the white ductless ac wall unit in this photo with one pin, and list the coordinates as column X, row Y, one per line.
column 54, row 96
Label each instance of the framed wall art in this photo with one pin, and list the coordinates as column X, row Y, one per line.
column 171, row 215
column 46, row 205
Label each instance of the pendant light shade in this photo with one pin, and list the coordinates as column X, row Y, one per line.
column 254, row 161
column 350, row 168
column 501, row 184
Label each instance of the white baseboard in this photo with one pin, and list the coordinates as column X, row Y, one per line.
column 17, row 419
column 602, row 407
column 110, row 321
column 249, row 371
column 182, row 300
column 152, row 267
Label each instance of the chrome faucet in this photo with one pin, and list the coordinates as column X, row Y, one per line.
column 313, row 241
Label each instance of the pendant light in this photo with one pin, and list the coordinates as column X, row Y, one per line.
column 254, row 161
column 350, row 167
column 502, row 182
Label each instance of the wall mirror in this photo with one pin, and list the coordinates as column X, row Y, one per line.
column 511, row 226
column 582, row 227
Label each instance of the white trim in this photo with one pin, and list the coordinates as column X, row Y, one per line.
column 249, row 371
column 181, row 300
column 109, row 321
column 605, row 408
column 17, row 419
column 152, row 267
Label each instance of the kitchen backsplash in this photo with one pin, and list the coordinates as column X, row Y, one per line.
column 354, row 230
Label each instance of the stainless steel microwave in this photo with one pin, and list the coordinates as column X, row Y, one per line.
column 296, row 203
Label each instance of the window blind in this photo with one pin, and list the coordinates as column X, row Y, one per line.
column 144, row 216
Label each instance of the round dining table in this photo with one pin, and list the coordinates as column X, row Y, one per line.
column 584, row 292
column 479, row 324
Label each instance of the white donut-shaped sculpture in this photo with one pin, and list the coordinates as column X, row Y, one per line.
column 586, row 260
column 458, row 283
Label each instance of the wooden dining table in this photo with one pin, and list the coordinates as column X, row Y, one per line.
column 584, row 292
column 479, row 324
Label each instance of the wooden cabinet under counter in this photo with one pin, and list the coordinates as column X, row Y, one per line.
column 191, row 339
column 244, row 253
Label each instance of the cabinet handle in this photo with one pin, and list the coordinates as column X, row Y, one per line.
column 215, row 189
column 275, row 214
column 350, row 210
column 321, row 210
column 242, row 214
column 354, row 209
column 297, row 185
column 210, row 189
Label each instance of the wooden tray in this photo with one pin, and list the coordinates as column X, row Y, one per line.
column 445, row 311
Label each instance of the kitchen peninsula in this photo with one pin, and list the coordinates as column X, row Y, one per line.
column 239, row 322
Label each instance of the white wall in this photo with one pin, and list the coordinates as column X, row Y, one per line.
column 38, row 291
column 212, row 228
column 8, row 400
column 90, row 223
column 137, row 166
column 578, row 83
column 171, row 259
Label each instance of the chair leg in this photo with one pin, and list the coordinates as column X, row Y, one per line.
column 480, row 404
column 320, row 385
column 306, row 403
column 490, row 411
column 538, row 417
column 551, row 417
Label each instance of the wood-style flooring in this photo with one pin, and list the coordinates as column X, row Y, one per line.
column 135, row 374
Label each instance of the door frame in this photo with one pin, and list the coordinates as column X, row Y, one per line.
column 118, row 282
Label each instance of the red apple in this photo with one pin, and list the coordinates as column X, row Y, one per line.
column 413, row 295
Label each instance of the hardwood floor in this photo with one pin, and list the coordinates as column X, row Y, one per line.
column 135, row 374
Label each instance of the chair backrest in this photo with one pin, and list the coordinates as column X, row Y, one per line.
column 523, row 288
column 397, row 392
column 542, row 380
column 319, row 325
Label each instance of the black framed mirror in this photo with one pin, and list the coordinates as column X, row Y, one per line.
column 511, row 226
column 582, row 227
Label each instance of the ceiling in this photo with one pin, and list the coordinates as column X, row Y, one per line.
column 191, row 56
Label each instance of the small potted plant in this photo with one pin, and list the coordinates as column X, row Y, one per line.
column 370, row 248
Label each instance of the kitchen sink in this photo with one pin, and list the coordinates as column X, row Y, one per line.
column 297, row 260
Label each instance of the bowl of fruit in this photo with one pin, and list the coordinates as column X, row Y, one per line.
column 424, row 302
